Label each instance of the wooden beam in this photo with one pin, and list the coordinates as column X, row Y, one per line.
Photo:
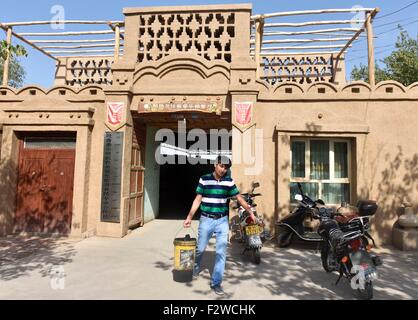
column 117, row 44
column 302, row 47
column 348, row 44
column 303, row 40
column 114, row 29
column 370, row 50
column 259, row 27
column 82, row 51
column 86, row 56
column 80, row 47
column 29, row 43
column 272, row 54
column 304, row 12
column 8, row 56
column 32, row 23
column 356, row 35
column 286, row 33
column 70, row 33
column 73, row 41
column 311, row 23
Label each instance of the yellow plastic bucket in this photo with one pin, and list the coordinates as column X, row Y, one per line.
column 184, row 253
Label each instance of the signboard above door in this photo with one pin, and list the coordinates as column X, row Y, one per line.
column 176, row 106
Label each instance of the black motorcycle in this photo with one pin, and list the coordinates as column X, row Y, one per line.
column 345, row 247
column 292, row 226
column 251, row 233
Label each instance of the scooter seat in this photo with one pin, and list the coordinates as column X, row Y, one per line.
column 311, row 235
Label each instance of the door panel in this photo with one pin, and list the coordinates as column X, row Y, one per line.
column 29, row 202
column 45, row 190
column 57, row 195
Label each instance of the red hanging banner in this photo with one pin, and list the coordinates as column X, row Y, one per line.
column 243, row 113
column 115, row 115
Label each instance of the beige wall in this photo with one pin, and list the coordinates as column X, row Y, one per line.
column 381, row 126
column 58, row 109
column 380, row 122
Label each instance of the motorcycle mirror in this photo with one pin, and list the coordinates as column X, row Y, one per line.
column 255, row 185
column 298, row 197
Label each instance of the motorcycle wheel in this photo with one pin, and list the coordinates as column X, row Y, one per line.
column 284, row 239
column 325, row 257
column 367, row 292
column 257, row 256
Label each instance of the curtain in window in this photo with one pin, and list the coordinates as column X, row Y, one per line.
column 340, row 160
column 298, row 159
column 319, row 159
column 335, row 193
column 310, row 189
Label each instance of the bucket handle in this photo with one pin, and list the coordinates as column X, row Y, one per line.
column 181, row 228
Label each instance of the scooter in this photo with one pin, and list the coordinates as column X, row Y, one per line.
column 250, row 232
column 292, row 226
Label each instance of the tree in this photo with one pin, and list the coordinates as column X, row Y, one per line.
column 362, row 73
column 401, row 65
column 16, row 71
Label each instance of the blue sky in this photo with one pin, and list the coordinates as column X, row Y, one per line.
column 40, row 69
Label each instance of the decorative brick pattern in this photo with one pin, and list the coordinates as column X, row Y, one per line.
column 301, row 70
column 204, row 34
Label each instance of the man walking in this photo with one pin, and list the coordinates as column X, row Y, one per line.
column 213, row 191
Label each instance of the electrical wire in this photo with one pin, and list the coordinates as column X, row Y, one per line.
column 391, row 13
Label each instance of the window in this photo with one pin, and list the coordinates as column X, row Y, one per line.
column 50, row 142
column 322, row 166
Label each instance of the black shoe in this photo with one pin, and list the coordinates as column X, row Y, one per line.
column 218, row 290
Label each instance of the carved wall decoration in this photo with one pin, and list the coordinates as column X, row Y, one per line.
column 299, row 69
column 208, row 35
column 85, row 71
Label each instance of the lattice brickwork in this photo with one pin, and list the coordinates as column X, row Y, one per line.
column 204, row 34
column 85, row 71
column 300, row 69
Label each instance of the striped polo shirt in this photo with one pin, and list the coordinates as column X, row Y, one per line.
column 216, row 193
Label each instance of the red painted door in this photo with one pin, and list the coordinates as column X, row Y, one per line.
column 45, row 187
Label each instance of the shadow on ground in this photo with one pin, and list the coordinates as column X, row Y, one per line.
column 20, row 255
column 296, row 273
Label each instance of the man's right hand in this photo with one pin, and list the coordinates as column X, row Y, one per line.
column 187, row 223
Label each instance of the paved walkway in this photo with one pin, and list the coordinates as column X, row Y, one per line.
column 139, row 266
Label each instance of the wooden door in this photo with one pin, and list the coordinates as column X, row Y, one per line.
column 45, row 187
column 136, row 194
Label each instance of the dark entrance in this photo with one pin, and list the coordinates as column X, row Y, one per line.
column 45, row 183
column 178, row 180
column 178, row 184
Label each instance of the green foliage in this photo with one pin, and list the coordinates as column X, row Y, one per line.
column 16, row 71
column 401, row 65
column 362, row 73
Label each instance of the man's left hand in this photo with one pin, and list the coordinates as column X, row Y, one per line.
column 253, row 217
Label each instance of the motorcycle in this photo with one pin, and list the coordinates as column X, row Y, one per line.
column 293, row 226
column 250, row 232
column 345, row 247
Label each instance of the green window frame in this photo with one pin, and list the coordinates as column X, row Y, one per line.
column 323, row 167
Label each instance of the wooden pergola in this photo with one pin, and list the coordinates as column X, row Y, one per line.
column 336, row 32
column 83, row 43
